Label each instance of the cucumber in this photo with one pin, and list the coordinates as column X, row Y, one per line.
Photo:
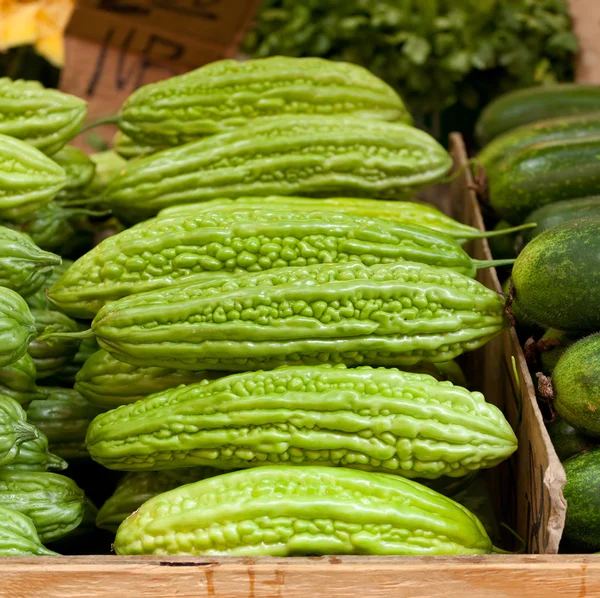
column 544, row 173
column 504, row 146
column 582, row 493
column 503, row 246
column 535, row 104
column 556, row 213
column 567, row 440
column 557, row 279
column 576, row 381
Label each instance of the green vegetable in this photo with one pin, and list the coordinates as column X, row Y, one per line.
column 544, row 173
column 228, row 94
column 67, row 374
column 407, row 212
column 18, row 536
column 380, row 419
column 549, row 358
column 503, row 147
column 161, row 252
column 556, row 213
column 14, row 430
column 135, row 488
column 29, row 178
column 438, row 54
column 444, row 370
column 23, row 265
column 64, row 418
column 271, row 511
column 582, row 523
column 17, row 380
column 555, row 277
column 17, row 327
column 526, row 106
column 107, row 165
column 128, row 149
column 45, row 118
column 288, row 155
column 503, row 247
column 567, row 440
column 50, row 358
column 38, row 299
column 54, row 502
column 78, row 168
column 106, row 382
column 33, row 455
column 394, row 314
column 576, row 380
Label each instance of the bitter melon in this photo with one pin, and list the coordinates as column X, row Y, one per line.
column 17, row 326
column 18, row 536
column 17, row 380
column 33, row 455
column 161, row 252
column 14, row 430
column 315, row 156
column 286, row 511
column 228, row 94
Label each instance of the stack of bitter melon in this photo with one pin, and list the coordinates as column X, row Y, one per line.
column 268, row 348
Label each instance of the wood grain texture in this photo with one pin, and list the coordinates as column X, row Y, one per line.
column 330, row 577
column 586, row 24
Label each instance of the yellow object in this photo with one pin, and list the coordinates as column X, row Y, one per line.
column 40, row 23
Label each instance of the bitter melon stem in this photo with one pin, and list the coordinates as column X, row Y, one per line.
column 109, row 120
column 497, row 233
column 496, row 550
column 493, row 263
column 49, row 334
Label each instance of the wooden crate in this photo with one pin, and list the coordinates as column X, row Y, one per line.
column 528, row 489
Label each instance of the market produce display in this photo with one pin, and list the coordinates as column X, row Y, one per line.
column 540, row 168
column 268, row 295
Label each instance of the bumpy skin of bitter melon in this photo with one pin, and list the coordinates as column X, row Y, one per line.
column 63, row 418
column 135, row 488
column 44, row 118
column 229, row 94
column 366, row 418
column 161, row 252
column 38, row 299
column 29, row 178
column 54, row 502
column 128, row 149
column 286, row 511
column 33, row 455
column 17, row 326
column 106, row 165
column 407, row 212
column 17, row 380
column 394, row 314
column 14, row 430
column 315, row 156
column 49, row 358
column 107, row 382
column 24, row 267
column 18, row 536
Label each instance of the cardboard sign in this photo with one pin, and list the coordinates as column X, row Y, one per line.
column 116, row 46
column 586, row 24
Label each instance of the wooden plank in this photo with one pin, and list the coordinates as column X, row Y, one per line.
column 586, row 24
column 496, row 576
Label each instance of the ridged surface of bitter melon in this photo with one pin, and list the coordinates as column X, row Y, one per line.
column 77, row 166
column 44, row 118
column 397, row 314
column 17, row 326
column 106, row 382
column 315, row 156
column 228, row 94
column 14, row 430
column 28, row 178
column 160, row 252
column 33, row 455
column 54, row 502
column 286, row 511
column 135, row 488
column 24, row 267
column 17, row 380
column 366, row 418
column 18, row 536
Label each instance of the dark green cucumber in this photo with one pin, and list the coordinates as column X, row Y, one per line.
column 534, row 104
column 570, row 127
column 561, row 211
column 582, row 493
column 503, row 246
column 557, row 278
column 567, row 441
column 576, row 381
column 543, row 173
